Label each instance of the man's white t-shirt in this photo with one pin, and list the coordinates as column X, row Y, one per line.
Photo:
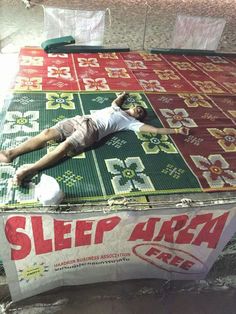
column 114, row 119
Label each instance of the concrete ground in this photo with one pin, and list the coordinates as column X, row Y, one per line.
column 19, row 27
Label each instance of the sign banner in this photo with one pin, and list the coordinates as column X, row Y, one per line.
column 87, row 27
column 44, row 251
column 197, row 32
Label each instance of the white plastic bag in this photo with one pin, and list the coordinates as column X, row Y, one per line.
column 48, row 191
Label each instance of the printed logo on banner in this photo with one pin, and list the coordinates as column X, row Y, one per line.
column 169, row 259
column 32, row 272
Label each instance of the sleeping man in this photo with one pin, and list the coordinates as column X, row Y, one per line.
column 81, row 132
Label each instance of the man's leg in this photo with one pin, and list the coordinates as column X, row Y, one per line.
column 31, row 144
column 46, row 161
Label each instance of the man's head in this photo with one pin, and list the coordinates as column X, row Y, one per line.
column 138, row 112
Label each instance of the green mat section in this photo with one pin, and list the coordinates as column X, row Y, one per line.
column 125, row 163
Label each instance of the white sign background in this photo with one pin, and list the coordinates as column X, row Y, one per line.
column 87, row 27
column 197, row 32
column 44, row 251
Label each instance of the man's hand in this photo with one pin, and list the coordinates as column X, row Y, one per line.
column 184, row 131
column 125, row 95
column 120, row 99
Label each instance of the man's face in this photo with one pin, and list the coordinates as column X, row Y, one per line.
column 136, row 112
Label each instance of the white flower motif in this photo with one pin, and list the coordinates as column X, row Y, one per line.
column 128, row 175
column 215, row 170
column 17, row 121
column 29, row 60
column 135, row 64
column 28, row 83
column 152, row 85
column 88, row 62
column 57, row 55
column 96, row 84
column 63, row 72
column 177, row 118
column 216, row 59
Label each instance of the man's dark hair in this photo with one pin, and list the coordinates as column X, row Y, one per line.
column 143, row 114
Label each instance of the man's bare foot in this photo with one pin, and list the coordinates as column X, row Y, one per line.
column 4, row 156
column 23, row 173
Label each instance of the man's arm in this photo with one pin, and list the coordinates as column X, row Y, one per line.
column 120, row 99
column 152, row 129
